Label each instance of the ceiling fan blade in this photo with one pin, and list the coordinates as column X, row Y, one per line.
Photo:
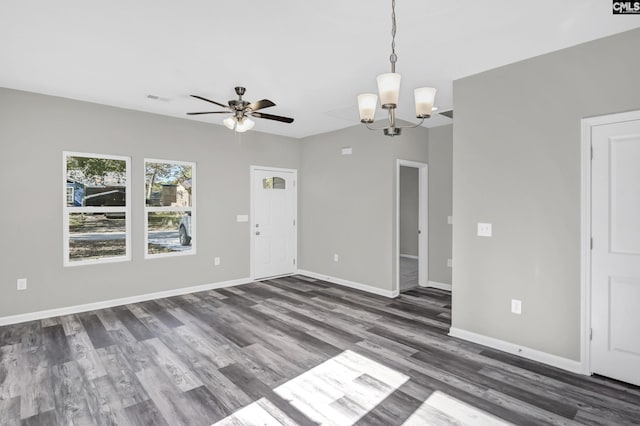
column 264, row 103
column 209, row 112
column 209, row 100
column 272, row 117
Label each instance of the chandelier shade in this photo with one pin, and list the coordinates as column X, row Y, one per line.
column 389, row 89
column 424, row 98
column 367, row 107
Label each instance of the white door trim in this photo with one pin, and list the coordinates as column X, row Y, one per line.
column 585, row 243
column 423, row 223
column 252, row 170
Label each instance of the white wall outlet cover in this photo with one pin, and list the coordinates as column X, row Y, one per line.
column 516, row 306
column 347, row 151
column 449, row 220
column 336, row 258
column 242, row 218
column 450, row 263
column 21, row 284
column 484, row 229
column 216, row 261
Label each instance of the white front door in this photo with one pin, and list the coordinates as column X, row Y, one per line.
column 615, row 257
column 273, row 224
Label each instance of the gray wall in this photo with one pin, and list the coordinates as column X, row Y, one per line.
column 35, row 129
column 347, row 203
column 409, row 205
column 440, row 202
column 516, row 164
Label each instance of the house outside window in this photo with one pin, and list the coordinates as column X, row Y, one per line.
column 96, row 208
column 170, row 220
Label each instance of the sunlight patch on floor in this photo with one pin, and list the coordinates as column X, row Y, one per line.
column 342, row 389
column 441, row 408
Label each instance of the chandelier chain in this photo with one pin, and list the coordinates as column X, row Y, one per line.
column 393, row 58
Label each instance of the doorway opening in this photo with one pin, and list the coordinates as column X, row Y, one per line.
column 411, row 254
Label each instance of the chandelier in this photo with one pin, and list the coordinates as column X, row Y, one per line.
column 389, row 89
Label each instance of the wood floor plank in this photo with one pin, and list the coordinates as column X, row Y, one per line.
column 36, row 392
column 145, row 413
column 10, row 411
column 96, row 331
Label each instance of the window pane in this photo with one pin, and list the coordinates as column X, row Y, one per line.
column 168, row 184
column 96, row 182
column 168, row 232
column 274, row 183
column 96, row 235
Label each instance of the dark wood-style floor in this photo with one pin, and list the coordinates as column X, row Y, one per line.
column 286, row 351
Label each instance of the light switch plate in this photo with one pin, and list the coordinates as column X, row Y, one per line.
column 449, row 220
column 516, row 306
column 484, row 229
column 336, row 258
column 21, row 284
column 216, row 261
column 242, row 218
column 347, row 151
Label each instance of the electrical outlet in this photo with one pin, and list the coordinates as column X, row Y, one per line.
column 216, row 261
column 21, row 284
column 450, row 263
column 484, row 229
column 516, row 306
column 336, row 258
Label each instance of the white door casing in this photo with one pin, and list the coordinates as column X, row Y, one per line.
column 273, row 222
column 615, row 256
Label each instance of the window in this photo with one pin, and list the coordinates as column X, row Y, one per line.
column 274, row 183
column 96, row 208
column 170, row 220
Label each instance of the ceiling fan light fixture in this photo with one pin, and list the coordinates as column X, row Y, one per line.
column 244, row 125
column 229, row 123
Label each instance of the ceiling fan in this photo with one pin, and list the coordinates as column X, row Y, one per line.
column 241, row 111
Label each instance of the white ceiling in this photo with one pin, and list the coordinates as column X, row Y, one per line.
column 312, row 58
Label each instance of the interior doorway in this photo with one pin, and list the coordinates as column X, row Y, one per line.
column 411, row 254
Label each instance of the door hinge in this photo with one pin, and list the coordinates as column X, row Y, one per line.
column 591, row 334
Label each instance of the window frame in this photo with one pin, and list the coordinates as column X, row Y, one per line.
column 152, row 209
column 68, row 210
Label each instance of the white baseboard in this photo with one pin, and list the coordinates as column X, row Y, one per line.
column 409, row 256
column 32, row 316
column 512, row 348
column 435, row 284
column 351, row 284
